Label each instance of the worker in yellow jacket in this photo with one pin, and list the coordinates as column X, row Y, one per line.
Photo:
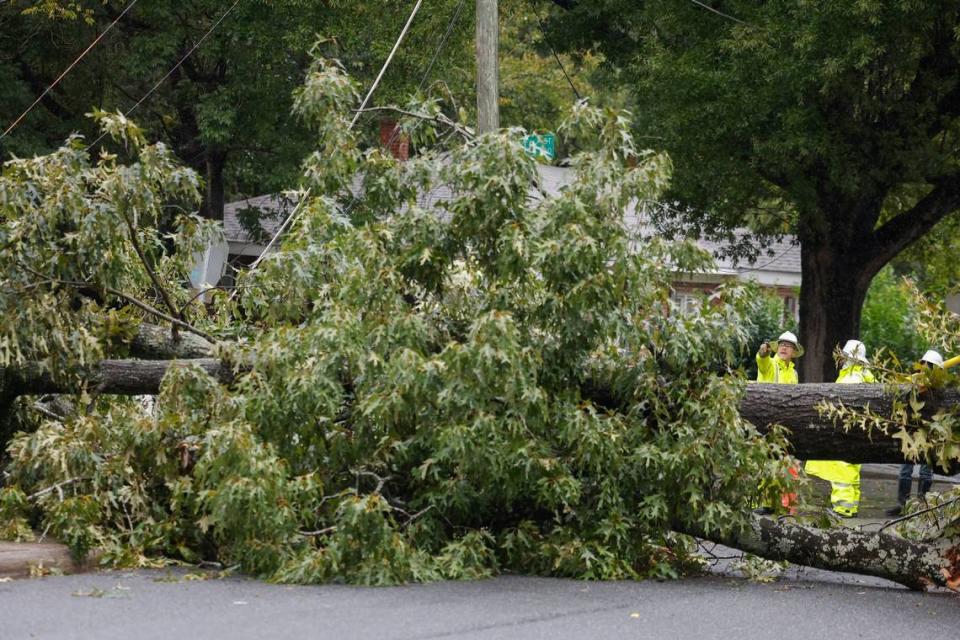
column 775, row 365
column 775, row 359
column 844, row 477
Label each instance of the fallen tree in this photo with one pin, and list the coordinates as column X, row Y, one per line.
column 418, row 397
column 797, row 407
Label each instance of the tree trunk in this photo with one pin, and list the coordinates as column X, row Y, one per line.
column 814, row 438
column 213, row 199
column 831, row 300
column 117, row 377
column 793, row 406
column 916, row 565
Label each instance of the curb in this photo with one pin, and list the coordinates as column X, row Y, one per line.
column 33, row 559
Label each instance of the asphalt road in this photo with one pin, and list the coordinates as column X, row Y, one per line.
column 144, row 605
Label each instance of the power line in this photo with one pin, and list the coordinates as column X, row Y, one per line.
column 386, row 64
column 174, row 68
column 720, row 13
column 553, row 51
column 67, row 70
column 296, row 210
column 443, row 41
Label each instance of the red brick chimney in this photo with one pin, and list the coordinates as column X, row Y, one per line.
column 391, row 136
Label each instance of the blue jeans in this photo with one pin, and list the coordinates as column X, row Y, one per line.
column 905, row 481
column 906, row 471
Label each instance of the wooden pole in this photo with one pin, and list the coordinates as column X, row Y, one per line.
column 488, row 75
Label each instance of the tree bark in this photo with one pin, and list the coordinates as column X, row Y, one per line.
column 831, row 301
column 213, row 200
column 812, row 437
column 793, row 406
column 154, row 342
column 116, row 377
column 916, row 565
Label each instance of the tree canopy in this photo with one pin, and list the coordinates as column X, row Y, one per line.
column 221, row 75
column 225, row 109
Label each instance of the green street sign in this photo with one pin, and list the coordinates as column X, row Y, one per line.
column 541, row 145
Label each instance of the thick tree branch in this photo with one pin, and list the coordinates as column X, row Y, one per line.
column 153, row 276
column 792, row 406
column 908, row 227
column 813, row 437
column 437, row 119
column 124, row 296
column 153, row 342
column 913, row 564
column 118, row 377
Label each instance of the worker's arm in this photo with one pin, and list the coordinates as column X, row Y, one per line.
column 764, row 363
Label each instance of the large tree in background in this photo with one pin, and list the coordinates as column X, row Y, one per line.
column 226, row 111
column 835, row 121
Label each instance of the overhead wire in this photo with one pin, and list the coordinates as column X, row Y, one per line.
column 67, row 70
column 720, row 13
column 556, row 57
column 174, row 68
column 298, row 208
column 383, row 69
column 451, row 24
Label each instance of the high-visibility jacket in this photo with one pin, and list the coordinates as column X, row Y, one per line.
column 854, row 373
column 844, row 477
column 775, row 370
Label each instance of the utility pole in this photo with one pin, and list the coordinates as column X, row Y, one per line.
column 488, row 73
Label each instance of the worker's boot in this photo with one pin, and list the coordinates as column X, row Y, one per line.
column 903, row 494
column 924, row 487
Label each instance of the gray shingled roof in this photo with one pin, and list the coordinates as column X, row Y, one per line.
column 274, row 208
column 781, row 257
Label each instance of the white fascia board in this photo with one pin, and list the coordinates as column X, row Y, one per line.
column 772, row 278
column 766, row 278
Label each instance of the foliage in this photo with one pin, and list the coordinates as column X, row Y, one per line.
column 81, row 241
column 758, row 569
column 496, row 381
column 932, row 261
column 226, row 111
column 890, row 318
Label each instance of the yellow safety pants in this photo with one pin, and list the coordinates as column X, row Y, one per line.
column 844, row 479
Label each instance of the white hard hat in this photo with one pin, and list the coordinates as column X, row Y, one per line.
column 933, row 358
column 788, row 336
column 855, row 350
